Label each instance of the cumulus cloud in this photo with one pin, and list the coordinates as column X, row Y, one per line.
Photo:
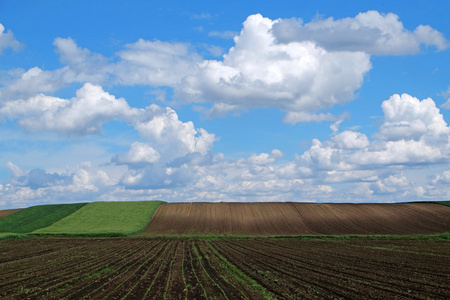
column 160, row 160
column 38, row 178
column 7, row 40
column 26, row 83
column 407, row 117
column 144, row 62
column 81, row 65
column 92, row 107
column 155, row 63
column 80, row 183
column 83, row 114
column 302, row 69
column 370, row 32
column 414, row 132
column 390, row 185
column 259, row 72
column 139, row 153
column 265, row 158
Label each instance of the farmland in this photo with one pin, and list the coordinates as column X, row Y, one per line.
column 291, row 218
column 226, row 251
column 136, row 268
column 7, row 212
column 36, row 217
column 104, row 218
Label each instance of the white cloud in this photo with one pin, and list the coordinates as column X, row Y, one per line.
column 407, row 117
column 296, row 117
column 16, row 171
column 7, row 40
column 265, row 158
column 394, row 184
column 414, row 132
column 259, row 72
column 168, row 135
column 370, row 32
column 443, row 178
column 80, row 184
column 83, row 114
column 149, row 63
column 28, row 83
column 139, row 153
column 80, row 64
column 155, row 63
column 398, row 153
column 350, row 140
column 92, row 107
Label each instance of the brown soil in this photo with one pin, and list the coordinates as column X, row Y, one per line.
column 288, row 218
column 224, row 269
column 7, row 212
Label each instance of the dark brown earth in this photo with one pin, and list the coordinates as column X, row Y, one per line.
column 271, row 219
column 133, row 268
column 7, row 212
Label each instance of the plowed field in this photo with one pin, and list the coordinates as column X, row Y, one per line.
column 224, row 269
column 298, row 219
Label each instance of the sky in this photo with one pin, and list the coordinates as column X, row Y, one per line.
column 311, row 101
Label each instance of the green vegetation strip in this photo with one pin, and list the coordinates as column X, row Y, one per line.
column 10, row 235
column 104, row 219
column 37, row 217
column 241, row 277
column 446, row 203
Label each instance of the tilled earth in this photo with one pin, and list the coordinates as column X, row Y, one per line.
column 139, row 268
column 294, row 218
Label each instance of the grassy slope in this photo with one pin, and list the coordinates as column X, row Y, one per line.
column 36, row 217
column 7, row 212
column 446, row 203
column 105, row 218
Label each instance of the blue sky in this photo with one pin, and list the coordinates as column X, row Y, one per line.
column 326, row 101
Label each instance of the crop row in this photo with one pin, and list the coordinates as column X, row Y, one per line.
column 223, row 269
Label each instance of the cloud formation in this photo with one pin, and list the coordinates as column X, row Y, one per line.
column 154, row 63
column 174, row 159
column 259, row 72
column 302, row 69
column 414, row 132
column 81, row 115
column 370, row 32
column 7, row 40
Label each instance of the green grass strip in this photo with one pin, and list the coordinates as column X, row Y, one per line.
column 11, row 235
column 241, row 276
column 446, row 203
column 104, row 219
column 206, row 272
column 36, row 217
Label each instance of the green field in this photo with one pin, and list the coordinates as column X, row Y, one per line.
column 36, row 217
column 10, row 235
column 104, row 219
column 446, row 203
